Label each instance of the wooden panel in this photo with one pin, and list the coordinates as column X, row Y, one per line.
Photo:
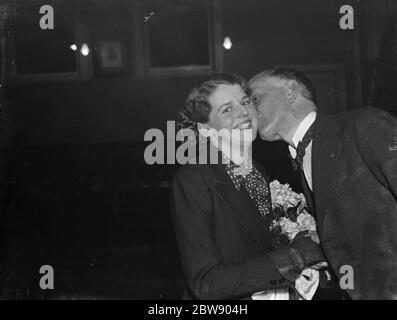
column 329, row 82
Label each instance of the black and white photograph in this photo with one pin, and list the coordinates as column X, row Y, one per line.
column 200, row 150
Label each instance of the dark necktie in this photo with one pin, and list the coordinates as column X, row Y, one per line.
column 298, row 163
column 302, row 145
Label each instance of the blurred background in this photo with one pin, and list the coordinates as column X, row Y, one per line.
column 78, row 95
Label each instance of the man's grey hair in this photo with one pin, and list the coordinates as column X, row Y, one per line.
column 308, row 90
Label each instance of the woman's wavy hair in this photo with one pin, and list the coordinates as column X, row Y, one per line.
column 197, row 108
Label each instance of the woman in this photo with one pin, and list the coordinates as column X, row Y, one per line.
column 222, row 212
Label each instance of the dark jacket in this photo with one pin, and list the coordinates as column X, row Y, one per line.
column 222, row 237
column 354, row 168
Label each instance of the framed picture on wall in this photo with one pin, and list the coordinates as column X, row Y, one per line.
column 111, row 56
column 177, row 37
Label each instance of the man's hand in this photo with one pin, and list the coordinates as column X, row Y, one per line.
column 314, row 236
column 308, row 252
column 320, row 265
column 300, row 254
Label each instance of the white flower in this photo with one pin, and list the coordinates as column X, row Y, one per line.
column 306, row 222
column 289, row 227
column 279, row 199
column 283, row 195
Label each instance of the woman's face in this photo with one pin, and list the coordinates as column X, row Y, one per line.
column 232, row 110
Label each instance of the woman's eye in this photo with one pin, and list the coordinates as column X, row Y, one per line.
column 228, row 109
column 246, row 102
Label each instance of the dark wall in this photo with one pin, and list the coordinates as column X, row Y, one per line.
column 264, row 33
column 101, row 110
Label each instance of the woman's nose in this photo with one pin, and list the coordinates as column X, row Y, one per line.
column 248, row 110
column 244, row 112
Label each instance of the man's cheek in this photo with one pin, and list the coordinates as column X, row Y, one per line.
column 261, row 108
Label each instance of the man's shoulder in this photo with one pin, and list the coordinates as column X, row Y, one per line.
column 362, row 117
column 369, row 112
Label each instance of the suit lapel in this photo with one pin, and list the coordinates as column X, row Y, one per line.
column 308, row 194
column 241, row 207
column 325, row 150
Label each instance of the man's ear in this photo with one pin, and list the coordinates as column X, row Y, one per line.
column 291, row 88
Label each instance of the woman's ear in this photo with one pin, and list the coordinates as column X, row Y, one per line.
column 202, row 126
column 205, row 130
column 292, row 89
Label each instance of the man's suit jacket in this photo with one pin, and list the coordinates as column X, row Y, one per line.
column 354, row 168
column 222, row 237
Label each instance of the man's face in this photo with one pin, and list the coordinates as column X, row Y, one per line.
column 270, row 100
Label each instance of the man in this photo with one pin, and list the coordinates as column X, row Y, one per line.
column 349, row 165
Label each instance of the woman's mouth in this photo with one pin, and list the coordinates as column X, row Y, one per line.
column 245, row 125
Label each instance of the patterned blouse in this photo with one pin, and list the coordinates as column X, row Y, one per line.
column 255, row 184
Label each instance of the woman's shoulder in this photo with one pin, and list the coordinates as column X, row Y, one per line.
column 193, row 179
column 193, row 171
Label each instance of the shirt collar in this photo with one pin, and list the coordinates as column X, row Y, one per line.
column 301, row 131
